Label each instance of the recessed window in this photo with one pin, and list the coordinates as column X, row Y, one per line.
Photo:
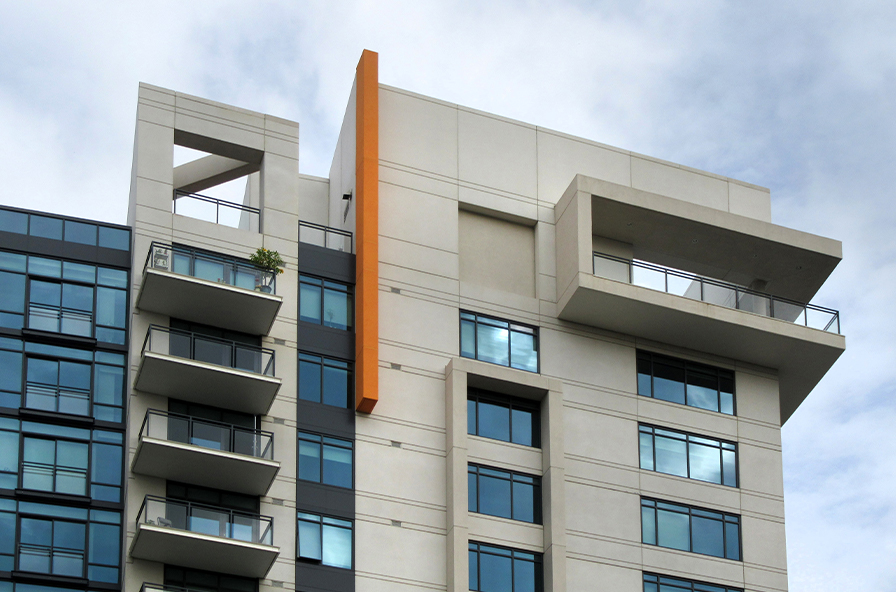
column 325, row 302
column 497, row 341
column 325, row 540
column 687, row 383
column 508, row 570
column 504, row 494
column 324, row 380
column 656, row 583
column 686, row 455
column 194, row 579
column 690, row 529
column 326, row 460
column 499, row 417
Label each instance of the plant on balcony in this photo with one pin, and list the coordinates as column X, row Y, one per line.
column 269, row 261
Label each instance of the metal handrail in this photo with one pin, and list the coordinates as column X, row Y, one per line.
column 327, row 231
column 262, row 527
column 262, row 442
column 743, row 298
column 218, row 203
column 267, row 369
column 157, row 258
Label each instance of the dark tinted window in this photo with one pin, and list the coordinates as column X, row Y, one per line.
column 498, row 341
column 324, row 380
column 500, row 417
column 687, row 383
column 687, row 455
column 504, row 493
column 685, row 528
column 505, row 570
column 656, row 583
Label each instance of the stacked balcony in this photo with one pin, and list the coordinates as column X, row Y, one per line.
column 208, row 453
column 204, row 537
column 213, row 290
column 678, row 273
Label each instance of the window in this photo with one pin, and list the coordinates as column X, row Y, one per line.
column 497, row 341
column 61, row 459
column 193, row 579
column 690, row 529
column 62, row 379
column 325, row 303
column 686, row 455
column 504, row 494
column 324, row 380
column 499, row 417
column 326, row 460
column 687, row 383
column 325, row 540
column 655, row 583
column 59, row 540
column 498, row 568
column 63, row 297
column 84, row 233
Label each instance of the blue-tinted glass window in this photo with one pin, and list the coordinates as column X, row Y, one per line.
column 13, row 222
column 324, row 540
column 503, row 493
column 324, row 380
column 498, row 341
column 697, row 530
column 80, row 232
column 54, row 547
column 115, row 238
column 325, row 302
column 9, row 453
column 7, row 537
column 499, row 569
column 326, row 460
column 10, row 372
column 504, row 418
column 686, row 455
column 687, row 383
column 46, row 227
column 55, row 465
column 657, row 583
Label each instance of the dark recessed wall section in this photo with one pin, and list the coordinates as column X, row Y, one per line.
column 327, row 263
column 315, row 498
column 322, row 578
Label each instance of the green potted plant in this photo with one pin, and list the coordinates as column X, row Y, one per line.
column 271, row 265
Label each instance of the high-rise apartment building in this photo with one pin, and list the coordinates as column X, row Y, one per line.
column 63, row 369
column 499, row 358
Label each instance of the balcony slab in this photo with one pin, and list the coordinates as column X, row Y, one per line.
column 208, row 384
column 200, row 551
column 800, row 354
column 207, row 302
column 188, row 463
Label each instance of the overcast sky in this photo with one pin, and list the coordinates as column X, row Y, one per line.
column 795, row 96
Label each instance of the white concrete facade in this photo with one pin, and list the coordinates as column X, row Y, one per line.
column 472, row 211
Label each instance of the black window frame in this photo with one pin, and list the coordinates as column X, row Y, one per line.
column 320, row 439
column 475, row 395
column 724, row 517
column 512, row 327
column 322, row 518
column 473, row 470
column 323, row 362
column 645, row 358
column 327, row 284
column 682, row 584
column 476, row 548
column 689, row 438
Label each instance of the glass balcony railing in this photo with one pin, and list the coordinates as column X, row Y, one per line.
column 221, row 352
column 214, row 435
column 689, row 285
column 325, row 236
column 217, row 211
column 207, row 266
column 207, row 520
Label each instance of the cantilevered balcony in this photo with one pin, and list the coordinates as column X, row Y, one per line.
column 202, row 452
column 206, row 370
column 209, row 289
column 204, row 537
column 677, row 273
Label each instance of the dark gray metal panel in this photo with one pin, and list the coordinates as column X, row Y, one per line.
column 313, row 578
column 327, row 263
column 324, row 419
column 64, row 250
column 326, row 341
column 315, row 498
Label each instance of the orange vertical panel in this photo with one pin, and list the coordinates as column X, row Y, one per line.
column 367, row 179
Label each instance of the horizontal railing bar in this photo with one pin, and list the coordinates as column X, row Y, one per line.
column 215, row 200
